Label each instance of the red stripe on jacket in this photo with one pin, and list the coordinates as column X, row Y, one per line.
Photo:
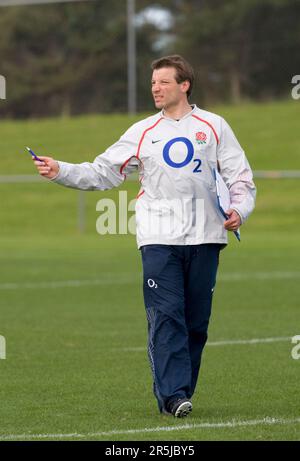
column 139, row 147
column 143, row 135
column 210, row 126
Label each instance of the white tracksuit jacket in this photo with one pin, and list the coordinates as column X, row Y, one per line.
column 177, row 203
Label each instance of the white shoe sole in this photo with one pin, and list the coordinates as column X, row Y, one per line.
column 183, row 410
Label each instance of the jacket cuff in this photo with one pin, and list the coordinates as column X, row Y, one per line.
column 239, row 213
column 59, row 172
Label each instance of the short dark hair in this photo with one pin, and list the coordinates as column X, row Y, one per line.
column 184, row 70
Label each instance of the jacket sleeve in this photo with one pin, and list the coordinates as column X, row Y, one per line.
column 236, row 172
column 108, row 170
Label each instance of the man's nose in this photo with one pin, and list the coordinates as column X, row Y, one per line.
column 155, row 88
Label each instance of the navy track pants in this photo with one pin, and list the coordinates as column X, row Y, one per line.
column 178, row 287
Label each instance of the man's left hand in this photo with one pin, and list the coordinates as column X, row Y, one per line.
column 233, row 222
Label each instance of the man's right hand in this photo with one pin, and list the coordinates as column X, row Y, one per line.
column 48, row 168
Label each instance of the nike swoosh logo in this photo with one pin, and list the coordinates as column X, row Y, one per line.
column 158, row 140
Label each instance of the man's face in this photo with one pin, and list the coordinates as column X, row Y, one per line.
column 165, row 90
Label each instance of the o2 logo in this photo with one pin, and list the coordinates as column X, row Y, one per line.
column 188, row 158
column 151, row 283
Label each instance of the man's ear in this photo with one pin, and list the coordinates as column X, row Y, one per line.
column 185, row 86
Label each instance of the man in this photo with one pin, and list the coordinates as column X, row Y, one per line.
column 180, row 229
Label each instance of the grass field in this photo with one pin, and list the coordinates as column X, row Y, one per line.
column 72, row 310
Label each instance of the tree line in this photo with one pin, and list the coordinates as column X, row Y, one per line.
column 70, row 58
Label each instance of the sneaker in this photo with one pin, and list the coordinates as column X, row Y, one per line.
column 181, row 408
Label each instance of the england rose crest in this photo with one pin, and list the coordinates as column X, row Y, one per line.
column 201, row 137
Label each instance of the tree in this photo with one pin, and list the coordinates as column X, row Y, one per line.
column 72, row 58
column 235, row 46
column 68, row 58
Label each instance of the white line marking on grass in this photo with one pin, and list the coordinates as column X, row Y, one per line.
column 250, row 341
column 237, row 276
column 214, row 425
column 116, row 279
column 124, row 278
column 228, row 342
